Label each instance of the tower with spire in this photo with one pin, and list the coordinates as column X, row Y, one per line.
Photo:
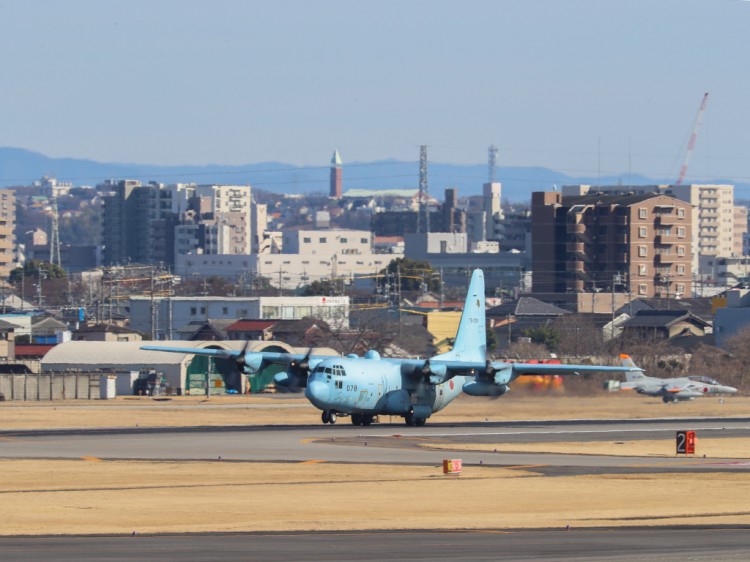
column 336, row 175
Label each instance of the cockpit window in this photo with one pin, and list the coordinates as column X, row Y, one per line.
column 328, row 370
column 704, row 380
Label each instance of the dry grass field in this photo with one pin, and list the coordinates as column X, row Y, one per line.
column 82, row 497
column 128, row 412
column 120, row 497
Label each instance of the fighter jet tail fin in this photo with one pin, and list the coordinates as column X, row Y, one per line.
column 636, row 373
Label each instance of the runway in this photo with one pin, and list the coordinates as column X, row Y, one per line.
column 667, row 545
column 395, row 444
column 390, row 444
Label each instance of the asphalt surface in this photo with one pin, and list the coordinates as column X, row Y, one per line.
column 668, row 545
column 391, row 444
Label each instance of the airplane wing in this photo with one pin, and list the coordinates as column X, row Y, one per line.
column 298, row 365
column 494, row 378
column 559, row 368
column 434, row 371
column 439, row 371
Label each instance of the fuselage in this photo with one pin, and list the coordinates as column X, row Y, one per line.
column 375, row 387
column 685, row 388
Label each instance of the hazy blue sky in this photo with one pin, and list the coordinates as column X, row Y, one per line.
column 575, row 85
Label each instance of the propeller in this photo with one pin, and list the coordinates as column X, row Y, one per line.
column 489, row 370
column 240, row 359
column 426, row 371
column 300, row 370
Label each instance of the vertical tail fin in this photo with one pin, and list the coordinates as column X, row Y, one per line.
column 627, row 361
column 471, row 337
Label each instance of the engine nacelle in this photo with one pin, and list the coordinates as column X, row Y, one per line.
column 420, row 411
column 286, row 379
column 253, row 362
column 481, row 388
column 438, row 373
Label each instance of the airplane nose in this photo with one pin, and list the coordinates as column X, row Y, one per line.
column 729, row 390
column 317, row 392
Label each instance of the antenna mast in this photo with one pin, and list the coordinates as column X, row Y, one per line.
column 54, row 245
column 691, row 142
column 424, row 209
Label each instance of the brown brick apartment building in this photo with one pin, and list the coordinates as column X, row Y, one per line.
column 592, row 242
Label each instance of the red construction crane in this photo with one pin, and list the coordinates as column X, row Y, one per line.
column 691, row 142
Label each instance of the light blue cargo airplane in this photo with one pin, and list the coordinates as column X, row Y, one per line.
column 365, row 387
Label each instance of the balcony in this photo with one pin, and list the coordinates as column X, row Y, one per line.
column 664, row 240
column 664, row 219
column 663, row 257
column 575, row 247
column 577, row 285
column 575, row 266
column 576, row 228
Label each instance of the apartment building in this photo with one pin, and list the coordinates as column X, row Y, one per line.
column 154, row 222
column 740, row 230
column 306, row 256
column 591, row 243
column 8, row 259
column 713, row 216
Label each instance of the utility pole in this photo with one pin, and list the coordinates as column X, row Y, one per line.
column 398, row 296
column 170, row 312
column 39, row 286
column 153, row 307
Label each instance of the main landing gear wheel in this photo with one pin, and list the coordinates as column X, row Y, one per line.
column 328, row 416
column 361, row 419
column 409, row 419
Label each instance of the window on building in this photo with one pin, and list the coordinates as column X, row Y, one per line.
column 307, row 240
column 193, row 311
column 642, row 232
column 323, row 240
column 680, row 288
column 642, row 289
column 642, row 213
column 225, row 310
column 643, row 269
column 681, row 270
column 681, row 213
column 344, row 240
column 271, row 312
column 681, row 232
column 363, row 240
column 304, row 311
column 680, row 250
column 642, row 251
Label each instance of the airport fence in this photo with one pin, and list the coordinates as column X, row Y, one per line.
column 50, row 386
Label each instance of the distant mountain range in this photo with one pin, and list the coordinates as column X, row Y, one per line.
column 20, row 167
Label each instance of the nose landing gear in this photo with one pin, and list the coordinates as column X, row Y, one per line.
column 329, row 416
